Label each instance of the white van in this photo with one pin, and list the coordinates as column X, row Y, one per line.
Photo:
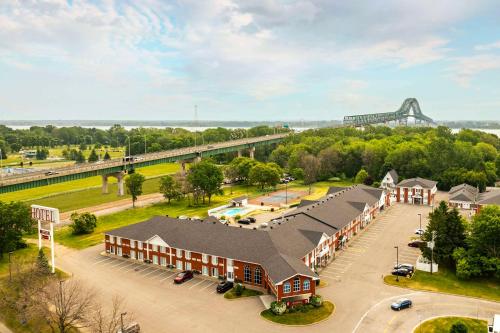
column 495, row 327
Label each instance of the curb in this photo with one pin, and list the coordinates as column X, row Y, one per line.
column 443, row 293
column 436, row 317
column 304, row 325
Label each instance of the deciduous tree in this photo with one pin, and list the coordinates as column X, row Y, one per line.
column 133, row 184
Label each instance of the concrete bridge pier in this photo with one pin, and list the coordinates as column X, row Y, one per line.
column 251, row 152
column 240, row 153
column 119, row 177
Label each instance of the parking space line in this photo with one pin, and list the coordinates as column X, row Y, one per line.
column 210, row 284
column 167, row 277
column 117, row 263
column 194, row 285
column 134, row 267
column 154, row 270
column 157, row 275
column 128, row 265
column 100, row 261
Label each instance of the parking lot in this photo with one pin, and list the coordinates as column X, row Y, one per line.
column 153, row 273
column 354, row 279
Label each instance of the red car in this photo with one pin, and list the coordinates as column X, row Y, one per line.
column 183, row 276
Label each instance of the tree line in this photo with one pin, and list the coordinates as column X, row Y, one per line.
column 437, row 153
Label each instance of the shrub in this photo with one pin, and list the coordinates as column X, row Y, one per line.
column 238, row 289
column 458, row 327
column 83, row 224
column 316, row 300
column 278, row 308
column 42, row 263
column 237, row 217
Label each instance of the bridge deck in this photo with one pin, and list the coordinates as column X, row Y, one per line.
column 39, row 178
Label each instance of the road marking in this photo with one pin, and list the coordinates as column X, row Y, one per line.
column 389, row 323
column 210, row 284
column 129, row 264
column 150, row 272
column 158, row 275
column 118, row 264
column 105, row 259
column 194, row 285
column 167, row 277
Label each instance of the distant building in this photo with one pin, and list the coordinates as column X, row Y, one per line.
column 390, row 180
column 463, row 196
column 490, row 197
column 239, row 201
column 416, row 191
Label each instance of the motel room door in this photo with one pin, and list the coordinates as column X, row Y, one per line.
column 230, row 270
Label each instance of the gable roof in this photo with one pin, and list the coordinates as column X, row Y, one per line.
column 239, row 199
column 465, row 187
column 305, row 202
column 491, row 197
column 412, row 182
column 463, row 192
column 394, row 175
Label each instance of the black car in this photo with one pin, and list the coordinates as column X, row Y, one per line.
column 401, row 272
column 401, row 304
column 251, row 219
column 417, row 243
column 244, row 221
column 405, row 266
column 224, row 286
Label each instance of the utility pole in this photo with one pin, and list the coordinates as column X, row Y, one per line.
column 397, row 261
column 432, row 249
column 145, row 146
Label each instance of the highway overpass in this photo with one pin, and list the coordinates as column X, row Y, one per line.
column 118, row 167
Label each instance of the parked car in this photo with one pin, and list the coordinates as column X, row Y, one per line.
column 263, row 225
column 183, row 277
column 401, row 304
column 224, row 221
column 244, row 221
column 51, row 173
column 224, row 286
column 251, row 219
column 401, row 272
column 417, row 243
column 419, row 231
column 405, row 266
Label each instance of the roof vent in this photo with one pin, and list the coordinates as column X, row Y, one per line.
column 241, row 226
column 254, row 228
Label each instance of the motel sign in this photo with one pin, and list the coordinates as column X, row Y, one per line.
column 50, row 215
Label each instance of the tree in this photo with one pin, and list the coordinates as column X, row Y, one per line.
column 310, row 165
column 265, row 174
column 15, row 219
column 449, row 228
column 170, row 188
column 42, row 263
column 231, row 174
column 67, row 305
column 243, row 166
column 108, row 319
column 79, row 157
column 83, row 223
column 361, row 176
column 330, row 160
column 133, row 184
column 297, row 173
column 206, row 177
column 107, row 156
column 481, row 256
column 93, row 156
column 458, row 327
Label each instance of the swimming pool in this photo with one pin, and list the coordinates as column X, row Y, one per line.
column 233, row 211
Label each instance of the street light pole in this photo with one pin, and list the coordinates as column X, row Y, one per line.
column 397, row 261
column 286, row 193
column 121, row 320
column 145, row 146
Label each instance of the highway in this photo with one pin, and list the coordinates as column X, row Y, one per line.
column 138, row 159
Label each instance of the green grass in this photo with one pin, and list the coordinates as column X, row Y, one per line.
column 443, row 325
column 82, row 184
column 174, row 209
column 246, row 293
column 301, row 318
column 447, row 282
column 21, row 256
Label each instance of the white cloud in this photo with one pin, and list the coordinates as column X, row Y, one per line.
column 487, row 47
column 465, row 68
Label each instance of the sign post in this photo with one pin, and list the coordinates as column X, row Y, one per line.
column 46, row 215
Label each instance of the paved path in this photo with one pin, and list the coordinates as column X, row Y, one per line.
column 4, row 329
column 354, row 280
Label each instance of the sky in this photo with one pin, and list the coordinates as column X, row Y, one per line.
column 247, row 60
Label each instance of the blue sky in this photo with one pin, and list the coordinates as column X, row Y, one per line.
column 245, row 60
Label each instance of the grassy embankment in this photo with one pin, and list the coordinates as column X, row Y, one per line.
column 175, row 208
column 245, row 293
column 447, row 282
column 87, row 192
column 443, row 325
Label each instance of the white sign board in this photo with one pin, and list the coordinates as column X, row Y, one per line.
column 430, row 245
column 50, row 215
column 45, row 214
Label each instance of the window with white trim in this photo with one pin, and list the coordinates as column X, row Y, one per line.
column 215, row 260
column 257, row 276
column 155, row 248
column 179, row 265
column 307, row 285
column 118, row 251
column 139, row 245
column 247, row 274
column 178, row 253
column 286, row 287
column 132, row 254
column 163, row 249
column 163, row 261
column 204, row 258
column 111, row 249
column 187, row 254
column 118, row 241
column 229, row 262
column 140, row 255
column 215, row 271
column 155, row 259
column 204, row 270
column 296, row 284
column 188, row 266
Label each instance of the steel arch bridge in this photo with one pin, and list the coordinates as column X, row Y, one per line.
column 409, row 108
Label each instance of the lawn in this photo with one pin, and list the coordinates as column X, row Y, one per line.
column 312, row 316
column 447, row 282
column 174, row 209
column 19, row 257
column 246, row 293
column 443, row 325
column 86, row 183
